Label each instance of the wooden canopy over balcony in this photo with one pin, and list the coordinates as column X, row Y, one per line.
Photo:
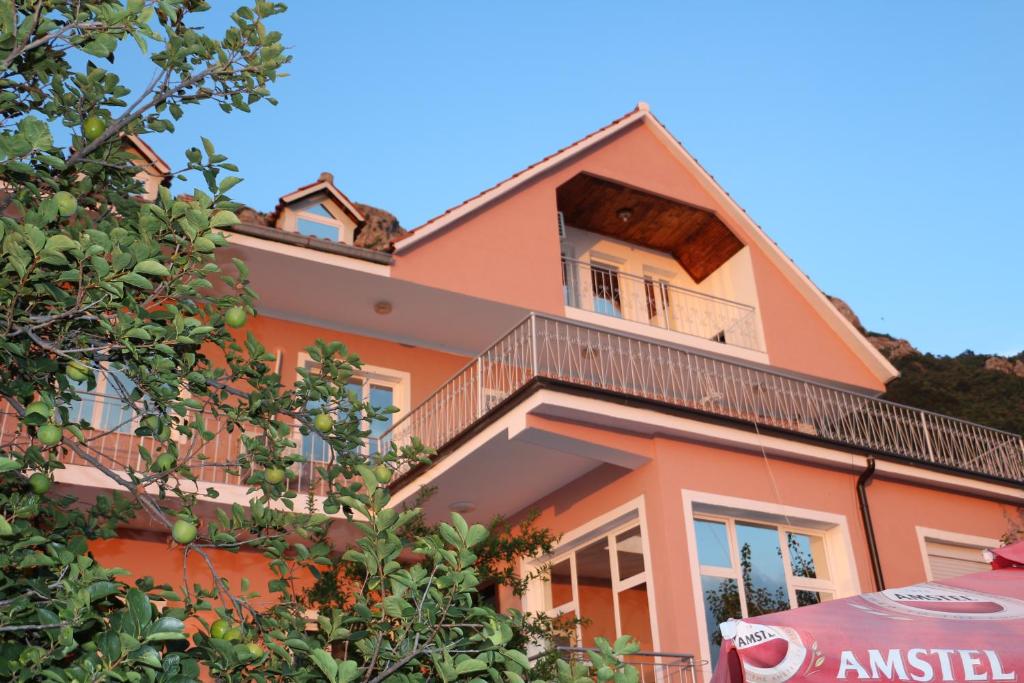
column 695, row 236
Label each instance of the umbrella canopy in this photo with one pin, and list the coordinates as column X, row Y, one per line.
column 970, row 628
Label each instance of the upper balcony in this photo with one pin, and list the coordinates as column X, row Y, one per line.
column 652, row 265
column 649, row 301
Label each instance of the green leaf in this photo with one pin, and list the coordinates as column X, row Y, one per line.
column 151, row 267
column 470, row 666
column 325, row 663
column 61, row 243
column 223, row 219
column 6, row 465
column 136, row 280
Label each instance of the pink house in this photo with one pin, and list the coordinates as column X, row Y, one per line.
column 608, row 338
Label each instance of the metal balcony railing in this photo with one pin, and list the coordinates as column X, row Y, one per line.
column 646, row 300
column 588, row 357
column 651, row 667
column 113, row 442
column 572, row 353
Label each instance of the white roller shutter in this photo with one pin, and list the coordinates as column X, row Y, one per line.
column 948, row 560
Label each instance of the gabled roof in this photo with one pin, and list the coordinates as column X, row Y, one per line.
column 324, row 183
column 741, row 221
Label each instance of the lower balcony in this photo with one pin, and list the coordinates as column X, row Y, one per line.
column 579, row 356
column 574, row 355
column 659, row 667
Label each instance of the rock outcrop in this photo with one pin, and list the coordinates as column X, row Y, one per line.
column 380, row 228
column 890, row 347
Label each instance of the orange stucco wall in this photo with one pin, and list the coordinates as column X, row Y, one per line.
column 508, row 251
column 898, row 508
column 428, row 368
column 151, row 554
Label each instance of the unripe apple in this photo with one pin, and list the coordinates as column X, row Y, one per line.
column 77, row 371
column 273, row 475
column 323, row 422
column 93, row 127
column 183, row 532
column 49, row 434
column 219, row 628
column 235, row 316
column 40, row 483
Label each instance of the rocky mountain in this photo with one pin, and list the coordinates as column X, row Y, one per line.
column 983, row 388
column 381, row 227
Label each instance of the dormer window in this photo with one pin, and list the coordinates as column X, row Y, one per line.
column 319, row 210
column 315, row 220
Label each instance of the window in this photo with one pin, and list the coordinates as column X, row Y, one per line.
column 948, row 555
column 379, row 387
column 601, row 581
column 104, row 409
column 315, row 220
column 749, row 568
column 605, row 283
column 656, row 292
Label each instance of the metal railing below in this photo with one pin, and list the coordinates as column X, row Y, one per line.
column 113, row 442
column 650, row 301
column 651, row 667
column 585, row 356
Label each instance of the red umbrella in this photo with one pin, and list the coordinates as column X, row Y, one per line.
column 970, row 628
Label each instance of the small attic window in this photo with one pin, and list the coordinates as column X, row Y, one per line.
column 315, row 220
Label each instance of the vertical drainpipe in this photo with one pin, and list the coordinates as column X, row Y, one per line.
column 869, row 529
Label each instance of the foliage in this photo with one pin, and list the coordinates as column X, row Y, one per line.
column 961, row 386
column 102, row 291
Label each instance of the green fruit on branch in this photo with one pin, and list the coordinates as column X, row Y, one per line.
column 331, row 507
column 66, row 203
column 235, row 317
column 39, row 483
column 49, row 434
column 93, row 127
column 233, row 634
column 183, row 532
column 274, row 475
column 382, row 473
column 219, row 628
column 323, row 423
column 255, row 651
column 78, row 371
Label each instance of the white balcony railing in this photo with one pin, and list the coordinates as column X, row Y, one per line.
column 580, row 355
column 646, row 300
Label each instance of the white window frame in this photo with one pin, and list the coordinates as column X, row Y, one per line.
column 834, row 527
column 925, row 534
column 399, row 381
column 793, row 583
column 609, row 525
column 299, row 212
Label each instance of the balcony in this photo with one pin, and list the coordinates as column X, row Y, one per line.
column 651, row 667
column 577, row 355
column 606, row 291
column 580, row 356
column 114, row 443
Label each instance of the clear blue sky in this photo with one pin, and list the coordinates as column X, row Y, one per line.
column 879, row 143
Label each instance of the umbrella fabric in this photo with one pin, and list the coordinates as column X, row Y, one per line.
column 970, row 628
